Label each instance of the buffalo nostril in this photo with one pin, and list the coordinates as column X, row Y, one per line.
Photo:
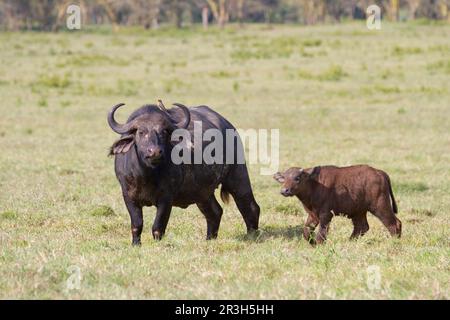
column 153, row 153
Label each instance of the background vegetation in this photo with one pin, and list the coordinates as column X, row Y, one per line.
column 50, row 14
column 339, row 95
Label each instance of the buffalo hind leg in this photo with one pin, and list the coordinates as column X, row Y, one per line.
column 360, row 225
column 212, row 211
column 249, row 210
column 238, row 185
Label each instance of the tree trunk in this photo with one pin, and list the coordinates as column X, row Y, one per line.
column 413, row 6
column 178, row 17
column 394, row 9
column 219, row 11
column 61, row 9
column 205, row 17
column 222, row 13
column 443, row 9
column 240, row 12
column 110, row 13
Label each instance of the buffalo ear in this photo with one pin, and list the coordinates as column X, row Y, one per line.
column 315, row 173
column 122, row 145
column 279, row 177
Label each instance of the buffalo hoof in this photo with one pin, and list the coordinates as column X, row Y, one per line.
column 136, row 243
column 253, row 234
column 252, row 231
column 211, row 236
column 157, row 235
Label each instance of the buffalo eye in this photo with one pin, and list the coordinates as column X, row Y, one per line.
column 165, row 133
column 297, row 178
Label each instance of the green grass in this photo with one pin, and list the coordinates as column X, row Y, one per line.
column 339, row 95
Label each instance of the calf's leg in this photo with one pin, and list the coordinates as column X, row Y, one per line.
column 360, row 225
column 384, row 212
column 324, row 224
column 212, row 211
column 310, row 225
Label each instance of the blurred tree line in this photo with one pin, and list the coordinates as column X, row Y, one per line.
column 51, row 14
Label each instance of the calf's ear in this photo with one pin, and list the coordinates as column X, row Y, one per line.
column 122, row 145
column 315, row 173
column 279, row 177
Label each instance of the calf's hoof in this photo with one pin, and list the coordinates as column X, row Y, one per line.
column 319, row 240
column 398, row 225
column 136, row 243
column 309, row 236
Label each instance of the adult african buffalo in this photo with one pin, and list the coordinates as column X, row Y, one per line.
column 148, row 176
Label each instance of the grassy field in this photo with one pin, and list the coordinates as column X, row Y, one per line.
column 339, row 94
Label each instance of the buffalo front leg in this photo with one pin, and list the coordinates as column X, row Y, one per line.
column 137, row 222
column 310, row 225
column 163, row 209
column 324, row 224
column 212, row 211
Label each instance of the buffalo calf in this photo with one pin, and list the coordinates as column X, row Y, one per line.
column 349, row 191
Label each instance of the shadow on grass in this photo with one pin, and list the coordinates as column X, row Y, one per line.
column 273, row 232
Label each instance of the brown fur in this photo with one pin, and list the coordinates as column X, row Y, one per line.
column 349, row 191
